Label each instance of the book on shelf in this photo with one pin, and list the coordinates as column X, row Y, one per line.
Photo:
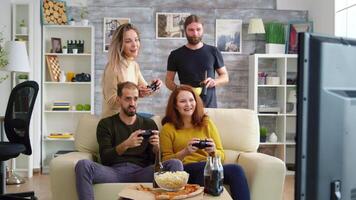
column 61, row 135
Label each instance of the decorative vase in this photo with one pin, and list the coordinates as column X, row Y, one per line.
column 23, row 30
column 273, row 138
column 263, row 138
column 85, row 22
column 65, row 51
column 275, row 48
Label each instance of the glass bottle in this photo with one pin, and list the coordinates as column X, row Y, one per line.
column 158, row 167
column 207, row 174
column 214, row 183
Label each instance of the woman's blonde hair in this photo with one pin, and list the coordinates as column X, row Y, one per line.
column 116, row 49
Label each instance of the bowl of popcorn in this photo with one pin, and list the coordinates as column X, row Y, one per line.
column 171, row 181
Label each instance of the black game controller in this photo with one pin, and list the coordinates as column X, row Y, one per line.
column 201, row 144
column 147, row 134
column 153, row 86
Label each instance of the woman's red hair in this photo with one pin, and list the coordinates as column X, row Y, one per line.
column 172, row 114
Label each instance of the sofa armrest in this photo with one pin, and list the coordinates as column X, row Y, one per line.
column 265, row 175
column 62, row 175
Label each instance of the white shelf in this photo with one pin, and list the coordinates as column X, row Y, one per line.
column 67, row 112
column 73, row 92
column 68, row 54
column 67, row 83
column 59, row 139
column 283, row 124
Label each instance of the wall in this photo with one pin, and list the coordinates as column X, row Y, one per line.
column 345, row 15
column 321, row 12
column 154, row 53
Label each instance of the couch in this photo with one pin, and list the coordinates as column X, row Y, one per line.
column 239, row 130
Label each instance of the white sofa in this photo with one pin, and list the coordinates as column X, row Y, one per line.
column 239, row 130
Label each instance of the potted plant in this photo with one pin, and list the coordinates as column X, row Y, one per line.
column 22, row 78
column 275, row 38
column 83, row 16
column 64, row 49
column 23, row 27
column 263, row 134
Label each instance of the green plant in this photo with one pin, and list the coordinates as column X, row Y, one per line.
column 275, row 33
column 22, row 76
column 83, row 12
column 22, row 23
column 64, row 47
column 3, row 54
column 263, row 131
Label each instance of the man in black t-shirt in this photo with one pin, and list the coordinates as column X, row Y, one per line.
column 196, row 63
column 126, row 155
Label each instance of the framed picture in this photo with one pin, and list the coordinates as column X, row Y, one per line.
column 56, row 45
column 170, row 25
column 228, row 35
column 110, row 25
column 293, row 30
column 54, row 12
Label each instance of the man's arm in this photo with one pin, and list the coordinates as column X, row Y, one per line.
column 223, row 77
column 170, row 80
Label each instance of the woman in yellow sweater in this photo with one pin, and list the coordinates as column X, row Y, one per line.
column 184, row 125
column 122, row 67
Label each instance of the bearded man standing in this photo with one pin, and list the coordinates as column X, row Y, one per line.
column 196, row 63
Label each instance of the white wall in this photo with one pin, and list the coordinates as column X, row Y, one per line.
column 321, row 12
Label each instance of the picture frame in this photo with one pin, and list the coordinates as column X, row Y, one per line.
column 54, row 12
column 110, row 24
column 56, row 45
column 228, row 35
column 170, row 25
column 293, row 29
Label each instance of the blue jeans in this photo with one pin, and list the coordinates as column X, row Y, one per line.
column 88, row 173
column 234, row 176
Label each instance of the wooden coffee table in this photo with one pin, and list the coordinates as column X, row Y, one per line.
column 224, row 196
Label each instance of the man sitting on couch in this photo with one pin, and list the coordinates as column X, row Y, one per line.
column 125, row 155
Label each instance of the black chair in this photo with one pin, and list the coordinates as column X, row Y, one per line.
column 16, row 123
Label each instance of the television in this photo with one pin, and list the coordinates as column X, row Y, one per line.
column 326, row 118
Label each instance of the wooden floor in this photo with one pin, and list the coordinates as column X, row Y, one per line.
column 41, row 185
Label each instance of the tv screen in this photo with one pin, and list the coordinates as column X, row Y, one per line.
column 326, row 118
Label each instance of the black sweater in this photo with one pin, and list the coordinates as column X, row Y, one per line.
column 111, row 131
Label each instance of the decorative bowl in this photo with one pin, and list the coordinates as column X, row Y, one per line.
column 171, row 181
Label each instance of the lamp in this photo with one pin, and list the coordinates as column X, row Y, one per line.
column 256, row 27
column 17, row 57
column 17, row 62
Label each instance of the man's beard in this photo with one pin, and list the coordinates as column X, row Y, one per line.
column 194, row 40
column 128, row 112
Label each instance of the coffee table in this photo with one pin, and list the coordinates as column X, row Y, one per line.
column 111, row 191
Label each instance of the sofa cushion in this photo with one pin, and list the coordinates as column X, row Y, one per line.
column 85, row 135
column 238, row 128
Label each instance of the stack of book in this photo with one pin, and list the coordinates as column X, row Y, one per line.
column 60, row 106
column 61, row 135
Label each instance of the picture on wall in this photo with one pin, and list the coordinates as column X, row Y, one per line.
column 170, row 25
column 54, row 12
column 293, row 30
column 228, row 35
column 110, row 25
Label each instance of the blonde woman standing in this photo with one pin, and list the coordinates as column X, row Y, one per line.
column 122, row 67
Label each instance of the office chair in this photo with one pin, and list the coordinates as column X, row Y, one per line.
column 16, row 124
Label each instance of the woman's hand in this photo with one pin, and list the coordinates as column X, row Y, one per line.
column 190, row 148
column 144, row 91
column 211, row 148
column 157, row 83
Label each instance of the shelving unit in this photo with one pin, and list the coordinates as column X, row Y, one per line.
column 22, row 10
column 275, row 103
column 73, row 92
